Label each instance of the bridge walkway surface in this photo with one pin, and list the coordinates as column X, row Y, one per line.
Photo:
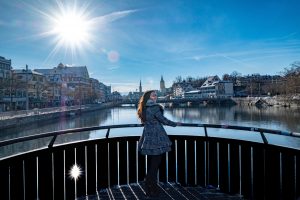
column 172, row 191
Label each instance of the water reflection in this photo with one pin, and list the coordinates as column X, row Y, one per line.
column 271, row 117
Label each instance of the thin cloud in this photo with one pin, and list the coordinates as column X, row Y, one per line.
column 112, row 16
column 235, row 60
column 13, row 23
column 113, row 67
column 123, row 83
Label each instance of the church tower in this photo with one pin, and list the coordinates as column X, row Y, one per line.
column 141, row 87
column 162, row 85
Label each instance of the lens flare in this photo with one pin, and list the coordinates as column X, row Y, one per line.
column 75, row 172
column 113, row 56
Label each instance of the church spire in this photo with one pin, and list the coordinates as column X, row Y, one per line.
column 141, row 86
column 162, row 85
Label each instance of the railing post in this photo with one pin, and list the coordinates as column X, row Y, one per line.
column 264, row 137
column 107, row 133
column 52, row 141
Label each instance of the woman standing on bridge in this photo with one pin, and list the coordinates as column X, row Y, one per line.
column 154, row 142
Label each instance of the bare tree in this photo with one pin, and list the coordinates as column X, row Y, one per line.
column 292, row 78
column 178, row 79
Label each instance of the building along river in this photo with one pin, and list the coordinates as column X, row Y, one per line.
column 279, row 118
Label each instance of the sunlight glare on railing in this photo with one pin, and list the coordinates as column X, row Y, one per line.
column 75, row 172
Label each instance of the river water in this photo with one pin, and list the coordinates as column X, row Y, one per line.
column 279, row 118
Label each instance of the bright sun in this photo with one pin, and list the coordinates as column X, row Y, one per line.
column 72, row 28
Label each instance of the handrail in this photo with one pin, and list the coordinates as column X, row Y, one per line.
column 108, row 127
column 62, row 132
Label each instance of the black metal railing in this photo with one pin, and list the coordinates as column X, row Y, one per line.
column 252, row 169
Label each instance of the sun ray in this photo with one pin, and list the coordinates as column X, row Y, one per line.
column 71, row 26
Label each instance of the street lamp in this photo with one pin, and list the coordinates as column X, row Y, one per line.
column 10, row 92
column 27, row 100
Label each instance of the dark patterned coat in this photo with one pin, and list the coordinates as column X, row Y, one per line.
column 155, row 140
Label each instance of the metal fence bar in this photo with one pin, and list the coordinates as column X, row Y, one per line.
column 37, row 177
column 24, row 185
column 264, row 155
column 108, row 164
column 280, row 174
column 218, row 164
column 176, row 162
column 240, row 170
column 75, row 178
column 295, row 176
column 96, row 162
column 86, row 170
column 252, row 173
column 65, row 195
column 118, row 162
column 127, row 161
column 53, row 176
column 9, row 189
column 205, row 165
column 195, row 158
column 228, row 165
column 167, row 167
column 137, row 161
column 185, row 162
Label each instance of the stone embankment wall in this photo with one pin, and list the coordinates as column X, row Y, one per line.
column 270, row 101
column 16, row 121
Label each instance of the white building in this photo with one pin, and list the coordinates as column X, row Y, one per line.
column 180, row 88
column 213, row 87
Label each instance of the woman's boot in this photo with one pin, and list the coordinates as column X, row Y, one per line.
column 151, row 188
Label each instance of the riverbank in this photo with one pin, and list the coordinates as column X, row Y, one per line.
column 38, row 115
column 281, row 101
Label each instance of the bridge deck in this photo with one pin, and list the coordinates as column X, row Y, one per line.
column 167, row 191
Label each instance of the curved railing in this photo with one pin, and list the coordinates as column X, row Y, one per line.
column 252, row 169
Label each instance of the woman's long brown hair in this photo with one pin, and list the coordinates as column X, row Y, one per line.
column 142, row 105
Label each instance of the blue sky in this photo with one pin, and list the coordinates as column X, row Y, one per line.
column 129, row 40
